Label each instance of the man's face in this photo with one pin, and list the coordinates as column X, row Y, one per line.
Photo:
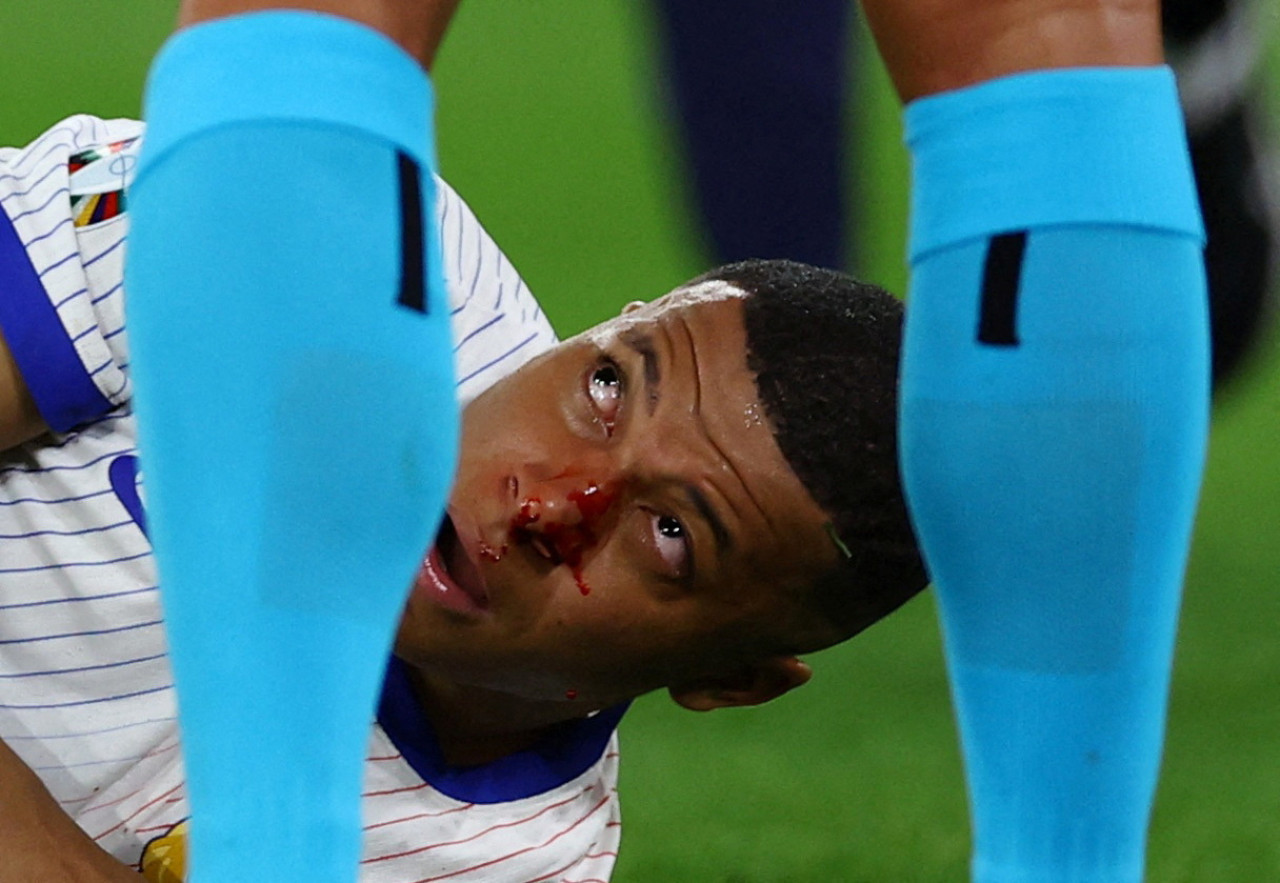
column 622, row 517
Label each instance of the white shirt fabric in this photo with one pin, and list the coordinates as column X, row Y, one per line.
column 86, row 693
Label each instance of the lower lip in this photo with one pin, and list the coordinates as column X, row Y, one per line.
column 434, row 584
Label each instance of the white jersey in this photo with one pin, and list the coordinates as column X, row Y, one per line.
column 86, row 693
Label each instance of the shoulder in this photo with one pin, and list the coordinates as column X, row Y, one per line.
column 573, row 826
column 23, row 170
column 61, row 254
column 498, row 324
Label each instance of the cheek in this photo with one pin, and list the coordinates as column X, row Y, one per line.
column 504, row 407
column 603, row 654
column 487, row 426
column 487, row 458
column 626, row 613
column 507, row 430
column 602, row 604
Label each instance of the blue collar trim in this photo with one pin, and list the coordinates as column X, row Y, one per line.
column 559, row 757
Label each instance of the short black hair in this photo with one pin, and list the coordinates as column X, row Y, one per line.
column 824, row 349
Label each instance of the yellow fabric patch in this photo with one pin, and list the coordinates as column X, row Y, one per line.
column 164, row 859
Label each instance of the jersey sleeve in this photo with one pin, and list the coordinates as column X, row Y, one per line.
column 62, row 232
column 497, row 323
column 62, row 305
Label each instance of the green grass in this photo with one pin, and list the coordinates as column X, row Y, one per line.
column 550, row 125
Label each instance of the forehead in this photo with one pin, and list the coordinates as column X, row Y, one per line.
column 699, row 340
column 684, row 303
column 695, row 335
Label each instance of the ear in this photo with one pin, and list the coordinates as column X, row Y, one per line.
column 632, row 307
column 753, row 684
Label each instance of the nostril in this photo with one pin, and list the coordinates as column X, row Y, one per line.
column 541, row 546
column 530, row 511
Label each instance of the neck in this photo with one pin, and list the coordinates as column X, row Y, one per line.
column 475, row 726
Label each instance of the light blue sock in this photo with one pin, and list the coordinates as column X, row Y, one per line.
column 295, row 396
column 1054, row 420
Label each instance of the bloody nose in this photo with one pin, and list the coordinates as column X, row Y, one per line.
column 564, row 517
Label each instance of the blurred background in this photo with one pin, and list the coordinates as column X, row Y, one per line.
column 555, row 122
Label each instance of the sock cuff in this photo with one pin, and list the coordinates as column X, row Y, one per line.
column 290, row 67
column 1066, row 146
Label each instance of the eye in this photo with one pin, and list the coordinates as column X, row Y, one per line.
column 672, row 543
column 604, row 386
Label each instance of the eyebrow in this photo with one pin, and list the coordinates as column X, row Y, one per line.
column 724, row 542
column 642, row 344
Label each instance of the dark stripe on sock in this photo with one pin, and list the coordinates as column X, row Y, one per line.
column 412, row 247
column 1001, row 278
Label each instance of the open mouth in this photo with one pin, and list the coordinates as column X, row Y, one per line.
column 449, row 576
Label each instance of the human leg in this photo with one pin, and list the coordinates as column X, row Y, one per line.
column 296, row 409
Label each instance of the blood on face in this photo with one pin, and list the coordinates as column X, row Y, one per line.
column 574, row 532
